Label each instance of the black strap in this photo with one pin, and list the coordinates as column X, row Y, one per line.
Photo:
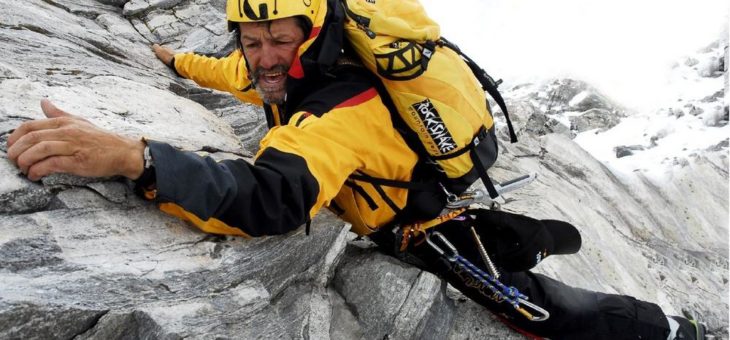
column 336, row 208
column 482, row 171
column 488, row 84
column 369, row 200
column 387, row 199
column 492, row 90
column 249, row 87
column 389, row 182
column 481, row 135
column 308, row 227
column 429, row 48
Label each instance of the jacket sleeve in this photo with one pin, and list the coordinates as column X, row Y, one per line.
column 234, row 197
column 299, row 169
column 228, row 74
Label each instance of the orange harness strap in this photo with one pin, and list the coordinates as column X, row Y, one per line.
column 419, row 228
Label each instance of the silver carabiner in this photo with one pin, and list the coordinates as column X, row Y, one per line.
column 543, row 314
column 442, row 238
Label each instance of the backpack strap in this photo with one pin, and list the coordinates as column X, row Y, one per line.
column 481, row 170
column 389, row 182
column 488, row 84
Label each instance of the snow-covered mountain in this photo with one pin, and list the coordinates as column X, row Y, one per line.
column 697, row 120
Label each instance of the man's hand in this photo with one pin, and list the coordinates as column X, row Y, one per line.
column 163, row 53
column 64, row 143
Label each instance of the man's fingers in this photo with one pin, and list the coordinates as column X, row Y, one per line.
column 57, row 119
column 34, row 133
column 31, row 126
column 41, row 151
column 50, row 165
column 51, row 111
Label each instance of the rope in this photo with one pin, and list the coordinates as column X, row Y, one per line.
column 509, row 294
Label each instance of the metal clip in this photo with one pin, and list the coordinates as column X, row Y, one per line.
column 442, row 238
column 543, row 314
column 466, row 199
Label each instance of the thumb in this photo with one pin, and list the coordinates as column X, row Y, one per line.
column 51, row 111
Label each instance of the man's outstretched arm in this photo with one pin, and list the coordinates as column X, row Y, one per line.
column 227, row 74
column 234, row 197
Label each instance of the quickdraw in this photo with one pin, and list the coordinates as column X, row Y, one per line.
column 500, row 291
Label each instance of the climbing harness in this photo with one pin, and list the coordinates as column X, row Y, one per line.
column 501, row 292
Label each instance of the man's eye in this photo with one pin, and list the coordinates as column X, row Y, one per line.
column 251, row 45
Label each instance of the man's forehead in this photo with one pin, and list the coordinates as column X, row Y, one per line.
column 277, row 26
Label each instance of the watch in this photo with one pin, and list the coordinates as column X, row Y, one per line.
column 148, row 162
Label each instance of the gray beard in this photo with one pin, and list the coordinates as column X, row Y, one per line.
column 263, row 95
column 255, row 81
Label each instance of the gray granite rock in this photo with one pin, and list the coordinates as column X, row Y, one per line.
column 627, row 150
column 18, row 195
column 149, row 274
column 594, row 119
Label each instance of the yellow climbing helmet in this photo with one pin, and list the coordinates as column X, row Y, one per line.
column 264, row 10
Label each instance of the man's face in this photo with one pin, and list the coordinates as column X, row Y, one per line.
column 270, row 48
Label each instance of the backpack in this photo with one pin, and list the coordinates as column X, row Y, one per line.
column 435, row 93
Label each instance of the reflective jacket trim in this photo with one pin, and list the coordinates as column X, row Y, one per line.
column 359, row 99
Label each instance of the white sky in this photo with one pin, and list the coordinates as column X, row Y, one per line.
column 624, row 47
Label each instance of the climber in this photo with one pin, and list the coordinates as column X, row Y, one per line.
column 331, row 123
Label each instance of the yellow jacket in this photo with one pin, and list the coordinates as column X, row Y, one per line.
column 340, row 128
column 227, row 74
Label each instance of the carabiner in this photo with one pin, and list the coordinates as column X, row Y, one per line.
column 540, row 311
column 465, row 199
column 442, row 238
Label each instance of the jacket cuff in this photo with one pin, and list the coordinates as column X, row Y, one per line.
column 173, row 68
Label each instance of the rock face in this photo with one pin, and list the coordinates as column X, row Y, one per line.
column 86, row 259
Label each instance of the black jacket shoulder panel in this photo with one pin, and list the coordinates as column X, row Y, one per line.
column 344, row 83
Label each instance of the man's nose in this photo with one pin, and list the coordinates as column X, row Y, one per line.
column 269, row 58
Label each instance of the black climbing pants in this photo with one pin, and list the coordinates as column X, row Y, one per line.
column 574, row 313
